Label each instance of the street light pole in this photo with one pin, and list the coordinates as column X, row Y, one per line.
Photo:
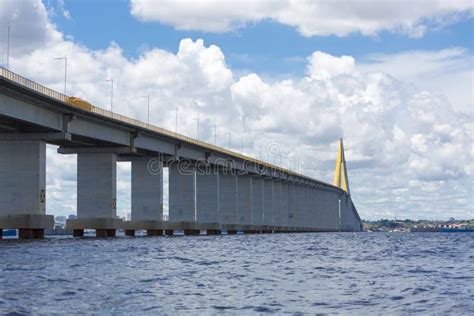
column 65, row 70
column 197, row 119
column 230, row 138
column 8, row 46
column 148, row 103
column 111, row 80
column 176, row 122
column 215, row 134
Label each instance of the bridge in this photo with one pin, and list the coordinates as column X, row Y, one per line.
column 211, row 189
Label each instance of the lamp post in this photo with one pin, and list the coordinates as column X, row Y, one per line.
column 176, row 122
column 215, row 134
column 230, row 138
column 197, row 119
column 8, row 46
column 148, row 105
column 65, row 70
column 111, row 80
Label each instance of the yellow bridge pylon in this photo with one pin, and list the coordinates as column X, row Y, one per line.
column 340, row 174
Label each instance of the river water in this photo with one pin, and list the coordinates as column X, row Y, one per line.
column 335, row 273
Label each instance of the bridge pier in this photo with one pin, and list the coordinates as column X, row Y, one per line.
column 147, row 196
column 182, row 206
column 23, row 187
column 284, row 206
column 244, row 199
column 207, row 198
column 277, row 205
column 257, row 202
column 96, row 194
column 227, row 198
column 268, row 202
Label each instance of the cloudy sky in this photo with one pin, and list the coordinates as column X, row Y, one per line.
column 287, row 79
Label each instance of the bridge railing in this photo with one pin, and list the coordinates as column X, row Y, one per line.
column 31, row 84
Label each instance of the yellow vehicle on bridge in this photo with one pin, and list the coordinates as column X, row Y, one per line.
column 78, row 102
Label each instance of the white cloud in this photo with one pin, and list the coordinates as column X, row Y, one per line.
column 29, row 26
column 447, row 72
column 325, row 66
column 408, row 151
column 320, row 17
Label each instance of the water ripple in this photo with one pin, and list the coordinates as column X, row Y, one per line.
column 295, row 274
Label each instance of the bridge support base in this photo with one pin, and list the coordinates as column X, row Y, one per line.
column 30, row 226
column 104, row 227
column 192, row 232
column 78, row 232
column 154, row 232
column 213, row 232
column 26, row 233
column 105, row 233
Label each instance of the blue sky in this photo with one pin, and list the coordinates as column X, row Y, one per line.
column 265, row 47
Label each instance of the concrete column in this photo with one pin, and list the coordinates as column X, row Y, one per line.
column 268, row 202
column 291, row 204
column 346, row 212
column 207, row 197
column 304, row 206
column 257, row 201
column 23, row 187
column 324, row 209
column 96, row 185
column 300, row 206
column 181, row 193
column 244, row 199
column 314, row 208
column 331, row 209
column 342, row 213
column 309, row 218
column 147, row 189
column 319, row 217
column 228, row 199
column 336, row 196
column 284, row 204
column 277, row 206
column 96, row 194
column 296, row 196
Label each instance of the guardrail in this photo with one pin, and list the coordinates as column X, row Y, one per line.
column 100, row 111
column 31, row 84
